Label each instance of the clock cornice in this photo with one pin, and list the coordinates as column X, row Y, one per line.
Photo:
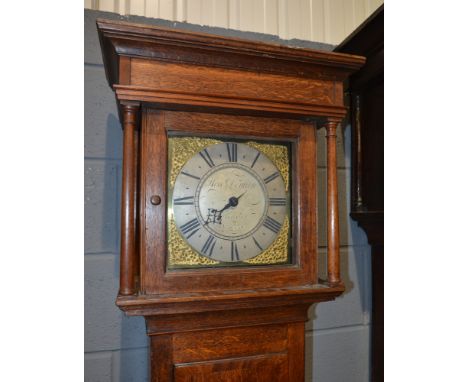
column 161, row 67
column 147, row 41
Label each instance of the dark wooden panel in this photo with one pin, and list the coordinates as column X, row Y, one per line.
column 268, row 368
column 228, row 343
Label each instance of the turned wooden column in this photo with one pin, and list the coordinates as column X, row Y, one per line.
column 356, row 171
column 128, row 205
column 333, row 229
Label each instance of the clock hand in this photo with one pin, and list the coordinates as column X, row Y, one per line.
column 233, row 202
column 240, row 196
column 226, row 206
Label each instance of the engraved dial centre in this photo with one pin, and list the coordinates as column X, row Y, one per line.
column 231, row 201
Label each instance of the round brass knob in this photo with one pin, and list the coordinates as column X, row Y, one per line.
column 155, row 200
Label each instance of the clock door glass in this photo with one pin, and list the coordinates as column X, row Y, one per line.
column 229, row 204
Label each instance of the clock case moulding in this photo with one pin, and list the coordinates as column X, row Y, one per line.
column 172, row 82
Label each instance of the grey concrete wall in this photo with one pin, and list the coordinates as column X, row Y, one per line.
column 337, row 338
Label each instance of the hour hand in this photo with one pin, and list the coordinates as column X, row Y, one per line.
column 216, row 218
column 225, row 207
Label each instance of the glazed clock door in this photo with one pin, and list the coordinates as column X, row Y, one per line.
column 229, row 202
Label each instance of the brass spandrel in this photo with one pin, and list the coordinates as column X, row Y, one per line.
column 278, row 154
column 277, row 252
column 180, row 253
column 185, row 147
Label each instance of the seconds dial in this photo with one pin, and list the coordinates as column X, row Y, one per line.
column 229, row 202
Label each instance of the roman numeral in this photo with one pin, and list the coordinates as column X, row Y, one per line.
column 192, row 176
column 232, row 151
column 187, row 201
column 234, row 252
column 256, row 243
column 272, row 224
column 268, row 179
column 255, row 160
column 277, row 201
column 207, row 158
column 209, row 245
column 190, row 227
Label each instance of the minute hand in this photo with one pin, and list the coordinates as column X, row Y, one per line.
column 240, row 196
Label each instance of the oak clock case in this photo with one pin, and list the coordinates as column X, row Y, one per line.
column 229, row 202
column 219, row 205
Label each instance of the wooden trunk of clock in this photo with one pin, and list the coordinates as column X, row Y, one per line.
column 221, row 307
column 244, row 345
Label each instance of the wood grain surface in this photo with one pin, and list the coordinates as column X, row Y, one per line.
column 229, row 82
column 262, row 368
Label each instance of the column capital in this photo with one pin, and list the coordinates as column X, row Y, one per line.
column 331, row 124
column 130, row 113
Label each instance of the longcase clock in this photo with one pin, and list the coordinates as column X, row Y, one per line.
column 219, row 206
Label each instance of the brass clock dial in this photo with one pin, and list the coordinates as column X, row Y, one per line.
column 229, row 202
